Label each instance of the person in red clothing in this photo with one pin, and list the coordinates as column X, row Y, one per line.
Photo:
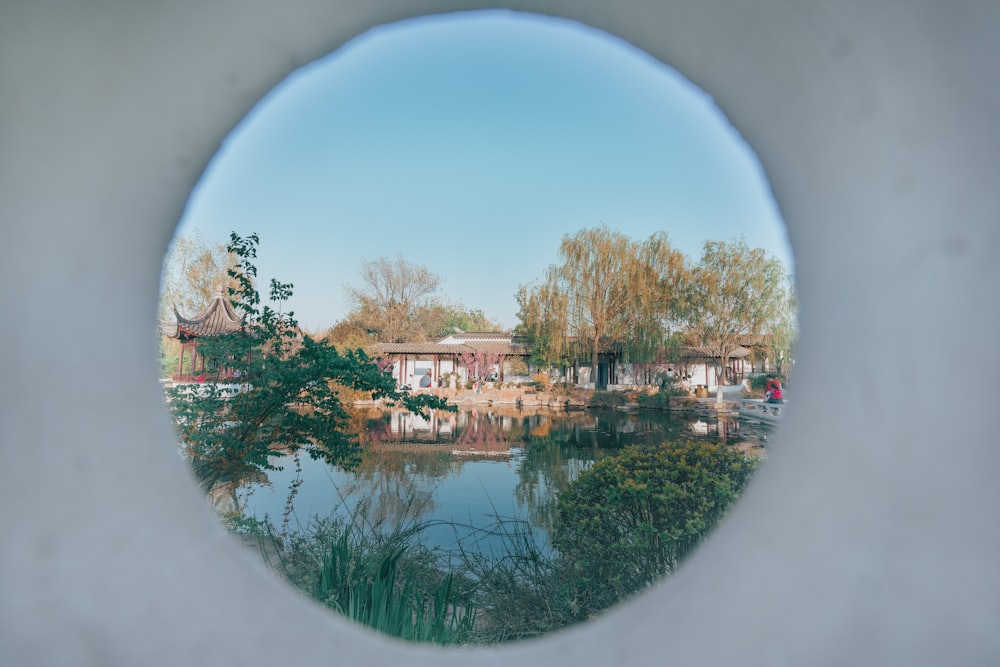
column 773, row 391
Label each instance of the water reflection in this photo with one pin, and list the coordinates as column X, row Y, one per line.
column 462, row 471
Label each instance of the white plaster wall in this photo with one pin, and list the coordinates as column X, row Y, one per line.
column 869, row 538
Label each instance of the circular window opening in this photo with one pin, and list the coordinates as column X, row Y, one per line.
column 455, row 314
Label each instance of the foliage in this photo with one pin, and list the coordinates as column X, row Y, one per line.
column 540, row 315
column 522, row 591
column 621, row 525
column 541, row 380
column 660, row 400
column 378, row 593
column 632, row 518
column 395, row 300
column 446, row 318
column 607, row 290
column 671, row 386
column 376, row 576
column 783, row 332
column 193, row 273
column 607, row 399
column 289, row 388
column 480, row 364
column 733, row 293
column 399, row 302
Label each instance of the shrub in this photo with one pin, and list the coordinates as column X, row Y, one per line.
column 607, row 399
column 671, row 386
column 657, row 401
column 630, row 519
column 541, row 380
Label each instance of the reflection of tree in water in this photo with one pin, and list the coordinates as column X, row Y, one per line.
column 398, row 476
column 555, row 453
column 615, row 430
column 395, row 487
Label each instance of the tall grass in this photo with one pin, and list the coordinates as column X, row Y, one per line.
column 386, row 593
column 383, row 579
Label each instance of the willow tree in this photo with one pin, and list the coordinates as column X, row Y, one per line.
column 541, row 314
column 657, row 302
column 607, row 290
column 733, row 293
column 784, row 332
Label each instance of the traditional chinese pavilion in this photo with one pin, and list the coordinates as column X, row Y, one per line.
column 216, row 319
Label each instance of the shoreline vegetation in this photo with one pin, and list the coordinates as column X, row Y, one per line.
column 650, row 506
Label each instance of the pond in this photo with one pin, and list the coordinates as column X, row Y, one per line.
column 470, row 475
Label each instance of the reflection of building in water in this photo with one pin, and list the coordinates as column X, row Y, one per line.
column 409, row 426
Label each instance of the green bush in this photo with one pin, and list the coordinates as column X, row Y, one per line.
column 631, row 518
column 671, row 386
column 657, row 401
column 607, row 399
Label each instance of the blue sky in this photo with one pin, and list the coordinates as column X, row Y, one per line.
column 471, row 144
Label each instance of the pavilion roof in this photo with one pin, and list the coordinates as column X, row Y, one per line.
column 216, row 319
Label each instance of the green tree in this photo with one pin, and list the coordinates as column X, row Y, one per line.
column 734, row 292
column 290, row 393
column 632, row 518
column 445, row 318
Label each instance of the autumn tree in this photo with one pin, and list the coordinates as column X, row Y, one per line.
column 733, row 293
column 193, row 272
column 607, row 290
column 395, row 299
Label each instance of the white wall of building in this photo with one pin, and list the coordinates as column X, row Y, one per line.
column 870, row 537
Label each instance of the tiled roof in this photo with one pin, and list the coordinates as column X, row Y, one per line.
column 217, row 318
column 702, row 352
column 477, row 336
column 500, row 347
